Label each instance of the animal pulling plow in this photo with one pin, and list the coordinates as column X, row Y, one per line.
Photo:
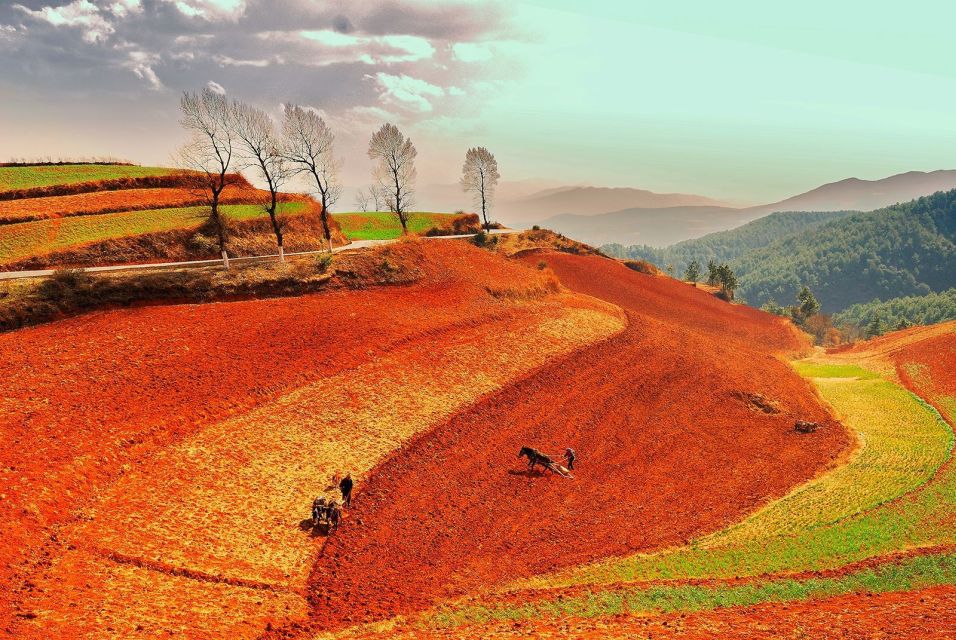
column 536, row 458
column 326, row 514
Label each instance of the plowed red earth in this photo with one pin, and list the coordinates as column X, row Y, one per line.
column 85, row 397
column 928, row 613
column 666, row 450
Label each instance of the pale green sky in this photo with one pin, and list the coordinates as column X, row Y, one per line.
column 746, row 100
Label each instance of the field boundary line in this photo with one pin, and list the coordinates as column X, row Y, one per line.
column 185, row 572
column 357, row 244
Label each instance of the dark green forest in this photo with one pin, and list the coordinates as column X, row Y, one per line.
column 725, row 246
column 901, row 312
column 904, row 250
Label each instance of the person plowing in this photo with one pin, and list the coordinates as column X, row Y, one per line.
column 536, row 458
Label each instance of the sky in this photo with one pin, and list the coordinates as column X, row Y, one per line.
column 744, row 100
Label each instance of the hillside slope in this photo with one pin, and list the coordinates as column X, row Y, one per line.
column 157, row 462
column 725, row 246
column 670, row 444
column 854, row 194
column 907, row 249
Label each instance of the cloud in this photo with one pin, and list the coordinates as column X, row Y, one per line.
column 344, row 56
column 140, row 63
column 215, row 86
column 210, row 9
column 471, row 52
column 81, row 14
column 408, row 91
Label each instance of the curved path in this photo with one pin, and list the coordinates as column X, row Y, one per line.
column 670, row 445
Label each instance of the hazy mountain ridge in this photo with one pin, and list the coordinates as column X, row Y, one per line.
column 661, row 225
column 726, row 246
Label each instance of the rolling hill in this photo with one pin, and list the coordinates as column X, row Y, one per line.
column 585, row 200
column 658, row 224
column 656, row 227
column 79, row 215
column 725, row 246
column 902, row 250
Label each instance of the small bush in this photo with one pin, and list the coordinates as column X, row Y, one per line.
column 536, row 227
column 542, row 265
column 324, row 263
column 642, row 266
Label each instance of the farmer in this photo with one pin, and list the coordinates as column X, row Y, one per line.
column 346, row 487
column 569, row 456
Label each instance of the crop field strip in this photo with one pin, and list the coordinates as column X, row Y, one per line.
column 385, row 226
column 835, row 535
column 28, row 177
column 918, row 572
column 281, row 454
column 921, row 518
column 100, row 202
column 23, row 240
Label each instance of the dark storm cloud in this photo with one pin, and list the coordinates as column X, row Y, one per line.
column 335, row 55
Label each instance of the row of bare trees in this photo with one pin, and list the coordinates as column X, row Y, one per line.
column 227, row 136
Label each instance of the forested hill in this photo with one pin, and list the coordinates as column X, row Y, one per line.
column 904, row 250
column 725, row 246
column 901, row 312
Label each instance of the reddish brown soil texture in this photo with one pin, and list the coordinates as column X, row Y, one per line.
column 666, row 448
column 86, row 396
column 926, row 614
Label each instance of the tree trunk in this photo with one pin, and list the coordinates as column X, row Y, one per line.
column 325, row 222
column 220, row 228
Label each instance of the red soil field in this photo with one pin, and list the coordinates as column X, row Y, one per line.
column 667, row 450
column 90, row 397
column 928, row 613
column 173, row 180
column 97, row 202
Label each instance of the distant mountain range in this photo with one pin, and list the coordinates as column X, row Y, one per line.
column 654, row 219
column 589, row 201
column 846, row 258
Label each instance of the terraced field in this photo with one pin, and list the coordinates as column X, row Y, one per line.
column 27, row 239
column 98, row 202
column 188, row 510
column 882, row 522
column 385, row 226
column 30, row 177
column 161, row 468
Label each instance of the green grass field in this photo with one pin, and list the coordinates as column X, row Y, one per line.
column 15, row 178
column 385, row 226
column 24, row 240
column 910, row 573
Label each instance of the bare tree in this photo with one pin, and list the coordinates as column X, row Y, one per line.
column 395, row 171
column 479, row 177
column 262, row 148
column 209, row 152
column 310, row 149
column 362, row 200
column 377, row 196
